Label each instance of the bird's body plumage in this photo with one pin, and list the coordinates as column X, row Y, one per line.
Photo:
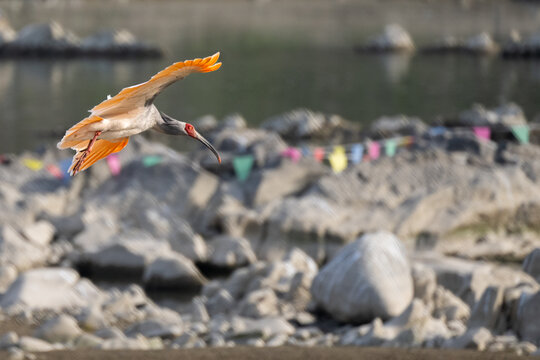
column 131, row 111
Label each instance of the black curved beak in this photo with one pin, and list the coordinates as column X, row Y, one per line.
column 208, row 145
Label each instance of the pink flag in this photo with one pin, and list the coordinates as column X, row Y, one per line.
column 374, row 150
column 114, row 164
column 55, row 171
column 293, row 153
column 318, row 154
column 482, row 132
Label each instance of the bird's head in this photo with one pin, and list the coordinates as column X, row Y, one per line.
column 190, row 131
column 172, row 126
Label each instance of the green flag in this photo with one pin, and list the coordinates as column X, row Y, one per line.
column 151, row 160
column 521, row 132
column 390, row 147
column 242, row 166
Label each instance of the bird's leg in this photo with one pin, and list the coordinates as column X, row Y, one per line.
column 85, row 152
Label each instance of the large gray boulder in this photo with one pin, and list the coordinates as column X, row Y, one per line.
column 368, row 278
column 19, row 252
column 61, row 329
column 7, row 34
column 117, row 42
column 393, row 38
column 528, row 320
column 49, row 288
column 531, row 264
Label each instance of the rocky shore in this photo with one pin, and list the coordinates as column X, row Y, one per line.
column 436, row 246
column 53, row 40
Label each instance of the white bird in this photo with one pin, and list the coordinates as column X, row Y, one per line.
column 131, row 111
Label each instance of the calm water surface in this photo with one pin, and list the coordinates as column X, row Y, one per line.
column 276, row 56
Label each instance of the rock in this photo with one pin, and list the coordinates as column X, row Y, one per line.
column 286, row 179
column 50, row 288
column 8, row 274
column 129, row 253
column 173, row 271
column 15, row 354
column 387, row 127
column 110, row 333
column 16, row 251
column 448, row 306
column 481, row 44
column 303, row 124
column 92, row 318
column 7, row 34
column 40, row 233
column 205, row 123
column 233, row 121
column 488, row 309
column 138, row 343
column 49, row 38
column 230, row 252
column 528, row 318
column 531, row 264
column 187, row 340
column 425, row 282
column 198, row 311
column 367, row 279
column 259, row 303
column 61, row 329
column 393, row 38
column 477, row 339
column 221, row 302
column 155, row 328
column 116, row 43
column 8, row 340
column 263, row 328
column 30, row 344
column 87, row 341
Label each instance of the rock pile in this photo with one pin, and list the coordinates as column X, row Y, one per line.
column 52, row 39
column 391, row 252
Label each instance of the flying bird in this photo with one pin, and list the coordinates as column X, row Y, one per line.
column 131, row 111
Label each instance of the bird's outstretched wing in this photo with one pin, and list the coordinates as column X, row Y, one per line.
column 143, row 94
column 102, row 148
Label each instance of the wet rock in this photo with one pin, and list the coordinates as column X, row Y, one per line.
column 367, row 279
column 531, row 264
column 7, row 34
column 50, row 288
column 259, row 303
column 30, row 344
column 117, row 43
column 393, row 38
column 481, row 44
column 173, row 271
column 49, row 38
column 61, row 329
column 230, row 252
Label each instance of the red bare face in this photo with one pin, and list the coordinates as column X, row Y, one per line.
column 190, row 130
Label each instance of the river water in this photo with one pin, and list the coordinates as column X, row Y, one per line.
column 277, row 55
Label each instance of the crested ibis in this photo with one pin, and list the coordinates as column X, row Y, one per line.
column 131, row 111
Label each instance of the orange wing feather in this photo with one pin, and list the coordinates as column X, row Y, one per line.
column 140, row 95
column 102, row 148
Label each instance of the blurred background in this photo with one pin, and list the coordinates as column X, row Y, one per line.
column 278, row 55
column 379, row 184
